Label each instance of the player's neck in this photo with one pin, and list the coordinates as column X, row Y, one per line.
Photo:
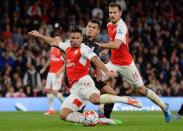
column 90, row 38
column 115, row 23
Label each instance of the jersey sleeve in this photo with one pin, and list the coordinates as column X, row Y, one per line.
column 121, row 32
column 87, row 52
column 64, row 45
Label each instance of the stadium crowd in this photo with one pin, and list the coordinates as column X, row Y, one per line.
column 156, row 41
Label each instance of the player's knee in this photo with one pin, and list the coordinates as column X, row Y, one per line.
column 95, row 99
column 55, row 92
column 49, row 91
column 63, row 116
column 142, row 90
column 113, row 93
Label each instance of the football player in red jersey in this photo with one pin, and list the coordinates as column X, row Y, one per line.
column 82, row 87
column 122, row 61
column 54, row 77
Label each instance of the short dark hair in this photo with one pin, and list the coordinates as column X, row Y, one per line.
column 75, row 29
column 96, row 21
column 115, row 5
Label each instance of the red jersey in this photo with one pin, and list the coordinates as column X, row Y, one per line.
column 122, row 55
column 78, row 61
column 56, row 60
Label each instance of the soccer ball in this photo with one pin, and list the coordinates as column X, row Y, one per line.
column 89, row 118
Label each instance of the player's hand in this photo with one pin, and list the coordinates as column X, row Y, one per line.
column 109, row 75
column 99, row 74
column 98, row 43
column 58, row 74
column 34, row 33
column 113, row 74
column 104, row 52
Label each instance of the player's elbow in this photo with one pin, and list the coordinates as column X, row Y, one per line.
column 117, row 44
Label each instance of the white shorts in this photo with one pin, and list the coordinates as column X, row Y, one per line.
column 129, row 73
column 80, row 93
column 52, row 82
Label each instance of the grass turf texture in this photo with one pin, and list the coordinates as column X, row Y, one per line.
column 132, row 121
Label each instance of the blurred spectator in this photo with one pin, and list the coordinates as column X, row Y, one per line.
column 6, row 33
column 28, row 91
column 122, row 3
column 32, row 78
column 20, row 93
column 97, row 12
column 17, row 36
column 155, row 40
column 34, row 10
column 10, row 93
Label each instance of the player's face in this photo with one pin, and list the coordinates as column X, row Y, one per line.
column 114, row 14
column 76, row 39
column 92, row 29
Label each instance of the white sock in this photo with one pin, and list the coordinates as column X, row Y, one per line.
column 74, row 117
column 60, row 97
column 107, row 99
column 50, row 101
column 155, row 98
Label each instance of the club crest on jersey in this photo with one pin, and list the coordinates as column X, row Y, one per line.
column 120, row 32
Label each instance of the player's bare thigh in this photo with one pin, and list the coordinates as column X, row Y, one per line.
column 107, row 89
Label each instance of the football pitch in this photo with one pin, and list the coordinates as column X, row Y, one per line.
column 132, row 121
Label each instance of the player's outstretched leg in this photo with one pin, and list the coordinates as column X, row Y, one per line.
column 68, row 115
column 107, row 99
column 155, row 98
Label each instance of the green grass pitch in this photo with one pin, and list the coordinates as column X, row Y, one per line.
column 132, row 121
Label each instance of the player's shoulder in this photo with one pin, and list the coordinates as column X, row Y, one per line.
column 64, row 45
column 67, row 43
column 84, row 46
column 122, row 24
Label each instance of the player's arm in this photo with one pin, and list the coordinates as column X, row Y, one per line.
column 104, row 52
column 102, row 73
column 120, row 38
column 89, row 54
column 111, row 45
column 99, row 64
column 44, row 67
column 51, row 41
